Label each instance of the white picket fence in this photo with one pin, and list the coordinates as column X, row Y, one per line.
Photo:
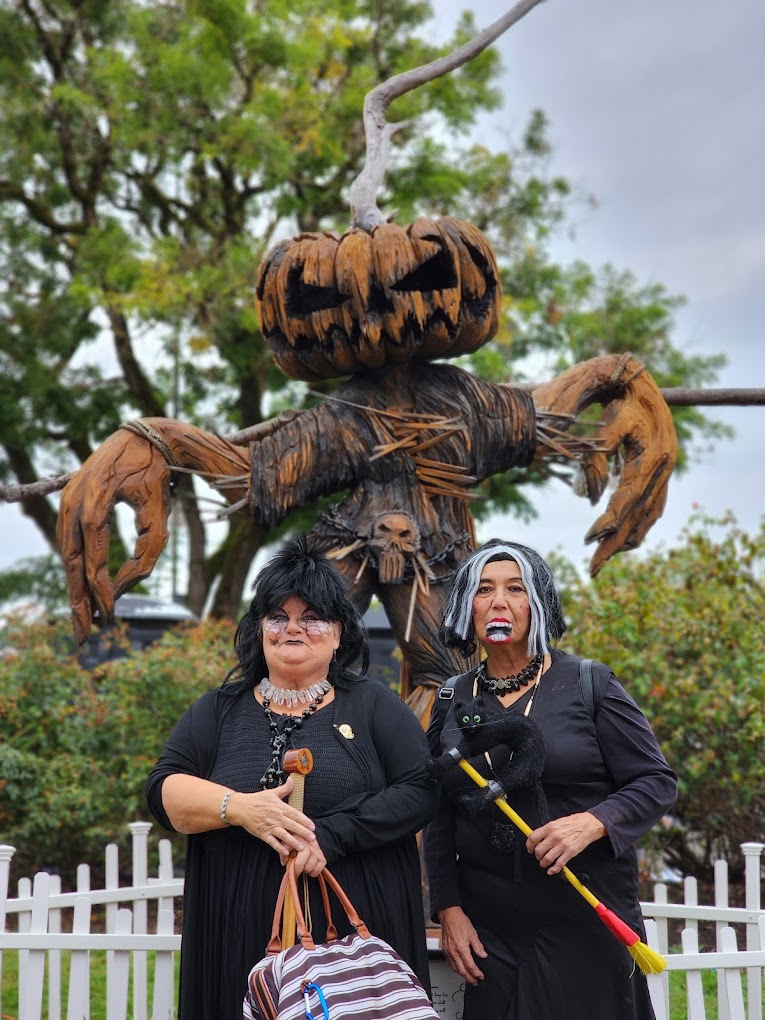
column 729, row 960
column 35, row 919
column 123, row 913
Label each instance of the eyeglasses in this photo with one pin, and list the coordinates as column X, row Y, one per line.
column 311, row 625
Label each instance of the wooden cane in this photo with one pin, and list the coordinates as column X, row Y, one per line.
column 297, row 763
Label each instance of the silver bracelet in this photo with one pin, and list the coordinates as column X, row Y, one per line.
column 224, row 805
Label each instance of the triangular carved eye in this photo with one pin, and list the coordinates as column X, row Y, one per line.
column 438, row 273
column 301, row 298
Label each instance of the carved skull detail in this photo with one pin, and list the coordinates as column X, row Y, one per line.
column 393, row 538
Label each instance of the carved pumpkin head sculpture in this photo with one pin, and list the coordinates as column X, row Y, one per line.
column 333, row 305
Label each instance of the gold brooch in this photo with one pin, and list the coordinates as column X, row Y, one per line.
column 345, row 731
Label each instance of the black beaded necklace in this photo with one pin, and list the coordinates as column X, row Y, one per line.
column 502, row 684
column 281, row 736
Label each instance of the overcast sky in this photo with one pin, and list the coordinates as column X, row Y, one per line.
column 658, row 109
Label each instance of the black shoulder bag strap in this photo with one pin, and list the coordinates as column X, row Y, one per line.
column 590, row 697
column 445, row 697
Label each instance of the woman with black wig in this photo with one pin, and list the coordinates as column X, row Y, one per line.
column 220, row 780
column 526, row 944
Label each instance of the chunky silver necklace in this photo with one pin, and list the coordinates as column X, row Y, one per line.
column 288, row 696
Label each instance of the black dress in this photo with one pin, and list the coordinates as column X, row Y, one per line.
column 549, row 954
column 368, row 796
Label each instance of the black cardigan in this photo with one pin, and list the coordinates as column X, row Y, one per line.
column 387, row 740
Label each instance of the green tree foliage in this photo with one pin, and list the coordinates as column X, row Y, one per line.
column 40, row 579
column 151, row 152
column 682, row 629
column 77, row 746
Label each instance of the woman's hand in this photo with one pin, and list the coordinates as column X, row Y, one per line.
column 311, row 860
column 459, row 942
column 556, row 843
column 266, row 816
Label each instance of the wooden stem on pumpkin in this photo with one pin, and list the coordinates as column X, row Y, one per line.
column 378, row 132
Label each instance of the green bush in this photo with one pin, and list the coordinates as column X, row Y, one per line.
column 683, row 631
column 77, row 746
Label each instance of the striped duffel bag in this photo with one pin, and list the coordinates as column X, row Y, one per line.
column 358, row 977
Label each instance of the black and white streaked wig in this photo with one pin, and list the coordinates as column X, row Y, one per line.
column 298, row 570
column 547, row 621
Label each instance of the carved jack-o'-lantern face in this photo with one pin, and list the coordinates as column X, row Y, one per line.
column 334, row 305
column 394, row 536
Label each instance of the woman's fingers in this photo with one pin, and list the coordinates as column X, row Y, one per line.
column 310, row 860
column 556, row 843
column 461, row 960
column 293, row 819
column 281, row 848
column 285, row 789
column 460, row 941
column 267, row 816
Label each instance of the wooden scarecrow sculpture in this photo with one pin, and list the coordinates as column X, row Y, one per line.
column 406, row 436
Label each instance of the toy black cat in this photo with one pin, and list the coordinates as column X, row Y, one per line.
column 523, row 769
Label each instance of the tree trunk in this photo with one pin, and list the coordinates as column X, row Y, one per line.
column 198, row 584
column 35, row 507
column 235, row 559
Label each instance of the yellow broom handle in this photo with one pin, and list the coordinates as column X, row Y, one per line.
column 526, row 830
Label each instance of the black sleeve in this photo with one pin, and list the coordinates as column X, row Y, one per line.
column 190, row 749
column 439, row 836
column 400, row 809
column 646, row 785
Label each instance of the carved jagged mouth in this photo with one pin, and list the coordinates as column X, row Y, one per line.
column 390, row 566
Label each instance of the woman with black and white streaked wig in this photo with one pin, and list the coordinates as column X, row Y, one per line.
column 522, row 944
column 547, row 623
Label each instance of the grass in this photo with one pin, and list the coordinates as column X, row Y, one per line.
column 9, row 1001
column 677, row 995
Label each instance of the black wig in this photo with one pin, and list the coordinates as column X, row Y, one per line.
column 297, row 570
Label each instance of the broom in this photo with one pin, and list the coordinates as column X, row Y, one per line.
column 649, row 961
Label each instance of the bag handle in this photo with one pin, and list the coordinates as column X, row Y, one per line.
column 327, row 878
column 331, row 929
column 306, row 939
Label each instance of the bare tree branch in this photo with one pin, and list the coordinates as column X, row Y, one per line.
column 18, row 493
column 378, row 132
column 678, row 397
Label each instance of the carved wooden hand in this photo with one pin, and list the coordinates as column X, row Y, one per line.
column 132, row 466
column 637, row 425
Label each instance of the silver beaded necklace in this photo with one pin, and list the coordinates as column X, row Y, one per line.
column 288, row 696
